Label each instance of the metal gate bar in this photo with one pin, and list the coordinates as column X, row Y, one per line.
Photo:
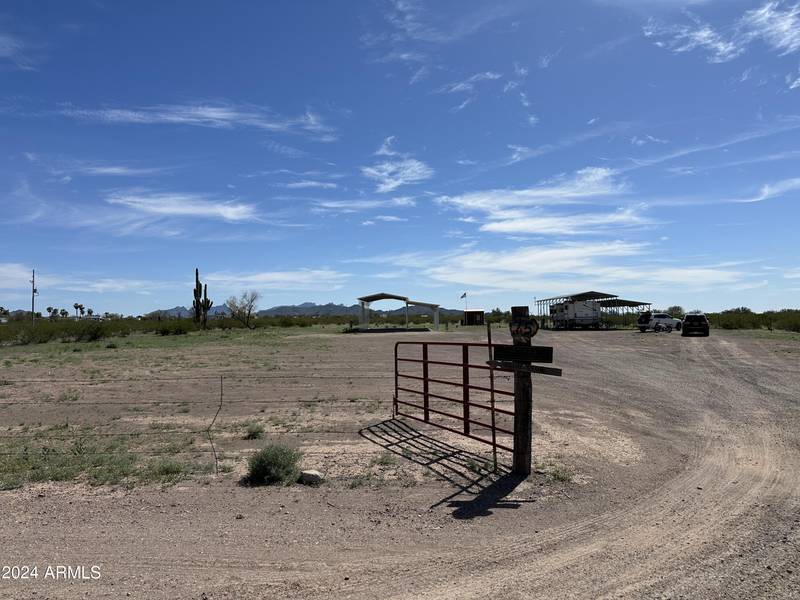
column 466, row 386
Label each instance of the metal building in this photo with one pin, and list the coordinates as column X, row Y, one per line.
column 365, row 301
column 611, row 305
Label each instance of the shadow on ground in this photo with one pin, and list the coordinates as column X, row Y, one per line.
column 473, row 476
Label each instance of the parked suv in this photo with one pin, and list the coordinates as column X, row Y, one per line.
column 648, row 320
column 695, row 324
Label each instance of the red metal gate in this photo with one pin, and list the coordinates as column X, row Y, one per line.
column 452, row 360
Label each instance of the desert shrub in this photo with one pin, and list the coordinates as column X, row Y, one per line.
column 253, row 431
column 165, row 470
column 561, row 473
column 90, row 331
column 275, row 464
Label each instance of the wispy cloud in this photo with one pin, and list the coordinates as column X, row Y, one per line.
column 580, row 223
column 17, row 53
column 468, row 84
column 308, row 183
column 697, row 35
column 778, row 28
column 420, row 74
column 411, row 21
column 398, row 170
column 284, row 150
column 392, row 174
column 786, row 125
column 761, row 158
column 590, row 182
column 301, row 280
column 14, row 276
column 561, row 266
column 213, row 115
column 774, row 190
column 520, row 153
column 351, row 206
column 546, row 59
column 184, row 205
column 776, row 23
column 386, row 148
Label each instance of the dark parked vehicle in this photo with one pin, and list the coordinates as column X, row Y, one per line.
column 695, row 324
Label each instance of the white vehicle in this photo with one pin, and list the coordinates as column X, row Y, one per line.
column 649, row 320
column 568, row 315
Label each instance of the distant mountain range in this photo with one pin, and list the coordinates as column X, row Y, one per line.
column 310, row 309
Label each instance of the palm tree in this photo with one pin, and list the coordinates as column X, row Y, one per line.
column 49, row 311
column 64, row 313
column 75, row 306
column 80, row 308
column 90, row 312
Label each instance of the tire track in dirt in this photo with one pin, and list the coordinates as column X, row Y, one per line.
column 622, row 538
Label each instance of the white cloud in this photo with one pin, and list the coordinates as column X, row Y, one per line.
column 301, row 279
column 183, row 205
column 419, row 75
column 780, row 29
column 390, row 219
column 14, row 276
column 392, row 174
column 284, row 150
column 560, row 267
column 520, row 153
column 307, row 183
column 685, row 38
column 647, row 139
column 790, row 124
column 793, row 80
column 523, row 99
column 774, row 190
column 403, row 56
column 590, row 182
column 16, row 52
column 569, row 223
column 216, row 115
column 468, row 85
column 462, row 105
column 347, row 206
column 386, row 148
column 411, row 21
column 545, row 60
column 117, row 170
column 776, row 26
column 533, row 120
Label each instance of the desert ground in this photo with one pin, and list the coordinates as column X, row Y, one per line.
column 664, row 467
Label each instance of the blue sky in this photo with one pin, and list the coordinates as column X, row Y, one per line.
column 318, row 151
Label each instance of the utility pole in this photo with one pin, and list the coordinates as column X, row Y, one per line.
column 34, row 293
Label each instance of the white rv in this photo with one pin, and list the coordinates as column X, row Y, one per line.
column 568, row 315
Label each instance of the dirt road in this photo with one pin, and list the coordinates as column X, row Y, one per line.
column 686, row 462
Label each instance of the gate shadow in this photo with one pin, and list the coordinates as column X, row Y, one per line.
column 470, row 473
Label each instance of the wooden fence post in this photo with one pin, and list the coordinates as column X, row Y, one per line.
column 521, row 332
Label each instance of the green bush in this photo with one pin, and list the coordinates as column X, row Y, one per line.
column 275, row 464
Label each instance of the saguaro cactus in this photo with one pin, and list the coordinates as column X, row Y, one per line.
column 201, row 303
column 197, row 303
column 206, row 304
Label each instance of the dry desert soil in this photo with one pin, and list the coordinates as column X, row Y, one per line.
column 664, row 467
